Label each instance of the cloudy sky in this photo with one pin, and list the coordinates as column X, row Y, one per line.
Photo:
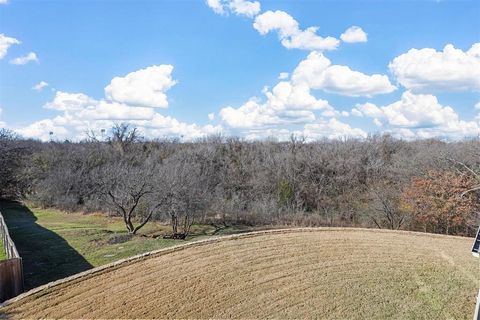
column 254, row 69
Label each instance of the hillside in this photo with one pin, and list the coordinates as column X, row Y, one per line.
column 55, row 244
column 314, row 273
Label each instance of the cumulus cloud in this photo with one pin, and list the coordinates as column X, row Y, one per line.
column 291, row 102
column 321, row 129
column 39, row 86
column 217, row 6
column 367, row 109
column 285, row 104
column 146, row 87
column 290, row 34
column 283, row 76
column 5, row 43
column 44, row 130
column 277, row 134
column 78, row 106
column 318, row 73
column 30, row 57
column 160, row 126
column 238, row 7
column 211, row 116
column 105, row 110
column 332, row 129
column 246, row 8
column 427, row 69
column 80, row 113
column 420, row 116
column 65, row 101
column 354, row 34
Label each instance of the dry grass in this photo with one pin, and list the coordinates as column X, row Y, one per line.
column 327, row 273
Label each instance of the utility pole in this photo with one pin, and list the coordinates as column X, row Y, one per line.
column 476, row 253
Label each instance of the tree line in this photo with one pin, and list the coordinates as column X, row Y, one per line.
column 424, row 185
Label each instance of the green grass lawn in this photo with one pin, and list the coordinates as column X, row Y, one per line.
column 54, row 244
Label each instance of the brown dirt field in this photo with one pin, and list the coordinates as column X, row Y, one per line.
column 322, row 273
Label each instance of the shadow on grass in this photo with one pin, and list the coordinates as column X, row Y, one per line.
column 46, row 256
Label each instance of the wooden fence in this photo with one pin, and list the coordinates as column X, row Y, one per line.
column 11, row 269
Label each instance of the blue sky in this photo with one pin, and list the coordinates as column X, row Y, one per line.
column 226, row 57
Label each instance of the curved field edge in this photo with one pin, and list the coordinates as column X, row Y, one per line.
column 45, row 289
column 324, row 274
column 152, row 254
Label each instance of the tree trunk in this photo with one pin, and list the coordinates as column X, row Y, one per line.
column 130, row 227
column 143, row 223
column 174, row 223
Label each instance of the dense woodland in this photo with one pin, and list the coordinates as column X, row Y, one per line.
column 381, row 182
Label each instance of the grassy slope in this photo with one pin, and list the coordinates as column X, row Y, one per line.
column 323, row 274
column 54, row 244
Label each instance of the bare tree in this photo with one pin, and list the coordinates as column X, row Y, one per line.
column 186, row 187
column 13, row 153
column 386, row 211
column 124, row 186
column 124, row 136
column 229, row 181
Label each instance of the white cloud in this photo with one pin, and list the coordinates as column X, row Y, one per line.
column 332, row 129
column 39, row 86
column 32, row 56
column 477, row 105
column 146, row 87
column 211, row 116
column 44, row 130
column 354, row 34
column 81, row 113
column 250, row 115
column 238, row 7
column 283, row 76
column 427, row 69
column 273, row 133
column 5, row 43
column 418, row 111
column 65, row 101
column 367, row 109
column 75, row 121
column 3, row 1
column 246, row 8
column 78, row 106
column 161, row 125
column 285, row 104
column 419, row 115
column 217, row 6
column 105, row 110
column 318, row 73
column 290, row 34
column 292, row 103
